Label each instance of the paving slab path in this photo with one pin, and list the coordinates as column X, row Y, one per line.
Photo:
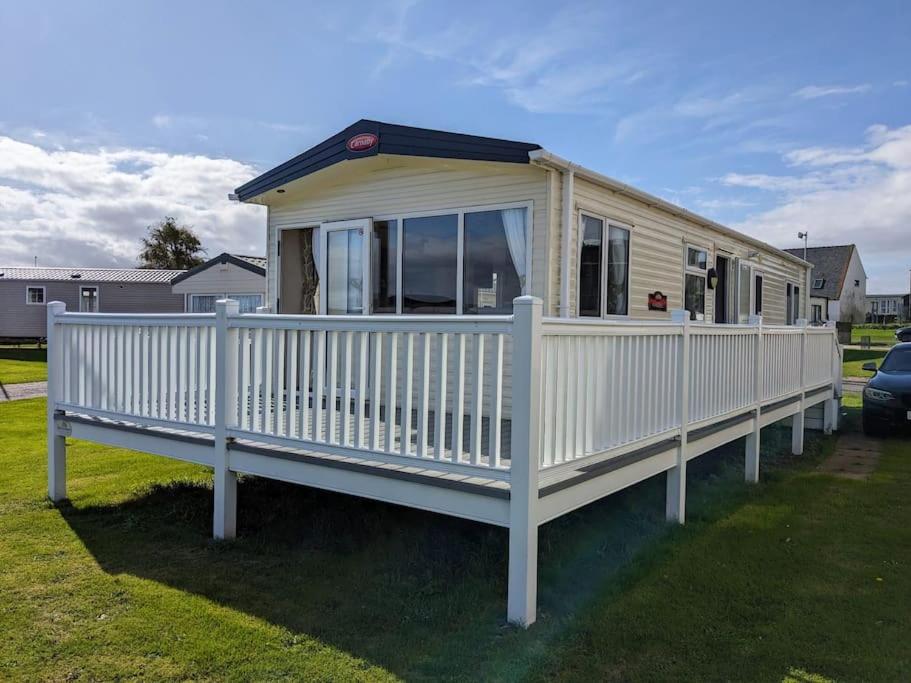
column 15, row 392
column 856, row 456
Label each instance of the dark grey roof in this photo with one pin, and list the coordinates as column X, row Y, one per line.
column 255, row 264
column 386, row 138
column 41, row 274
column 829, row 264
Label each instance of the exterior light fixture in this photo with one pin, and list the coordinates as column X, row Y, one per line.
column 713, row 278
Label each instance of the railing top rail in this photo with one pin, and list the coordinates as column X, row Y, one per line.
column 607, row 327
column 377, row 323
column 190, row 319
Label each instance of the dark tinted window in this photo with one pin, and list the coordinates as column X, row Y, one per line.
column 490, row 278
column 898, row 360
column 758, row 305
column 590, row 267
column 618, row 271
column 429, row 264
column 384, row 265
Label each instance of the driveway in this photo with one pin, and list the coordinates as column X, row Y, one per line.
column 15, row 392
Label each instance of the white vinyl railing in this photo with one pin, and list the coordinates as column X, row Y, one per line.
column 440, row 391
column 155, row 367
column 415, row 387
column 608, row 384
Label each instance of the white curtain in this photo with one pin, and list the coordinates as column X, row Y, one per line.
column 617, row 270
column 514, row 227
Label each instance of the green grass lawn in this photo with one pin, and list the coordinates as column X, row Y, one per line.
column 22, row 364
column 802, row 575
column 853, row 360
column 878, row 335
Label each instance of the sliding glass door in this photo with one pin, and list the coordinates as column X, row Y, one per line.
column 344, row 253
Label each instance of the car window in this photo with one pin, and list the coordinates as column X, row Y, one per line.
column 898, row 360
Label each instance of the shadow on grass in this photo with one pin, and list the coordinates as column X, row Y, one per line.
column 25, row 353
column 854, row 355
column 420, row 594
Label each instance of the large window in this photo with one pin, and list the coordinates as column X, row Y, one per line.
column 603, row 269
column 430, row 252
column 494, row 262
column 697, row 261
column 205, row 303
column 468, row 260
column 384, row 258
column 34, row 295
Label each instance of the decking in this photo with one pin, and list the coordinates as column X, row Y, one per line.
column 509, row 420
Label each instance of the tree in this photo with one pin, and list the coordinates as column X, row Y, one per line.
column 171, row 247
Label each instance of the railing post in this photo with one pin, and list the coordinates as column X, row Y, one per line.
column 831, row 405
column 675, row 505
column 797, row 420
column 752, row 440
column 523, row 469
column 56, row 444
column 224, row 524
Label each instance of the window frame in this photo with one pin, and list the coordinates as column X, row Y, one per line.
column 821, row 281
column 696, row 271
column 28, row 301
column 606, row 223
column 792, row 302
column 460, row 212
column 97, row 298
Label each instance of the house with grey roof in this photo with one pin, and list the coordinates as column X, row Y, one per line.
column 838, row 283
column 24, row 291
column 227, row 276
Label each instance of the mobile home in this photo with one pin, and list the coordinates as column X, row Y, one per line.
column 466, row 325
column 24, row 291
column 227, row 276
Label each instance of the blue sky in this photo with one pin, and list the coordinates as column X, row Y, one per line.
column 771, row 117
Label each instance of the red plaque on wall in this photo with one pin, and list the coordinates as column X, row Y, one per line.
column 657, row 302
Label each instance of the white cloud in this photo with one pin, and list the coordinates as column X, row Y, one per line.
column 812, row 92
column 858, row 195
column 570, row 71
column 91, row 207
column 161, row 120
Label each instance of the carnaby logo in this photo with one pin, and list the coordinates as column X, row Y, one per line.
column 362, row 142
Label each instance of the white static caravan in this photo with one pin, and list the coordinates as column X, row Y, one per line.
column 227, row 276
column 466, row 325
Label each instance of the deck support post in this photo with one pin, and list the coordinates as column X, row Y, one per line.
column 830, row 415
column 523, row 477
column 56, row 444
column 752, row 453
column 675, row 498
column 797, row 431
column 224, row 523
column 751, row 465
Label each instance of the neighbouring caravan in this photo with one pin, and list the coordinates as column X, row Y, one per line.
column 24, row 291
column 242, row 278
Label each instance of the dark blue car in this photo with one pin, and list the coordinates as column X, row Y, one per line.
column 887, row 396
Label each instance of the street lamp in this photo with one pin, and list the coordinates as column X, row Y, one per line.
column 803, row 236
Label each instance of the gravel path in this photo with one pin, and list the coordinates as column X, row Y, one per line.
column 15, row 392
